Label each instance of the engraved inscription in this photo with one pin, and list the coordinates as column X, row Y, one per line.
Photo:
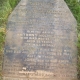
column 40, row 42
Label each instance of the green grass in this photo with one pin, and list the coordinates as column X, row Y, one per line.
column 6, row 7
column 13, row 3
column 74, row 6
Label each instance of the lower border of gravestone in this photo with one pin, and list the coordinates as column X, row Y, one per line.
column 10, row 78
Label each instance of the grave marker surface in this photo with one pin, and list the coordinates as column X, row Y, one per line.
column 40, row 42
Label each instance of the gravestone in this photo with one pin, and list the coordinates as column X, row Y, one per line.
column 40, row 42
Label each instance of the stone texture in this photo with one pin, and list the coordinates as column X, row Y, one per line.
column 40, row 42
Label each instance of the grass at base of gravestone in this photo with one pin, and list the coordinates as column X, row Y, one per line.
column 6, row 8
column 74, row 6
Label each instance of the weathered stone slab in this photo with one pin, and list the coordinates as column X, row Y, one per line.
column 40, row 42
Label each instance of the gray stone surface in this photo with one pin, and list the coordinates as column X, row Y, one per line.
column 40, row 42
